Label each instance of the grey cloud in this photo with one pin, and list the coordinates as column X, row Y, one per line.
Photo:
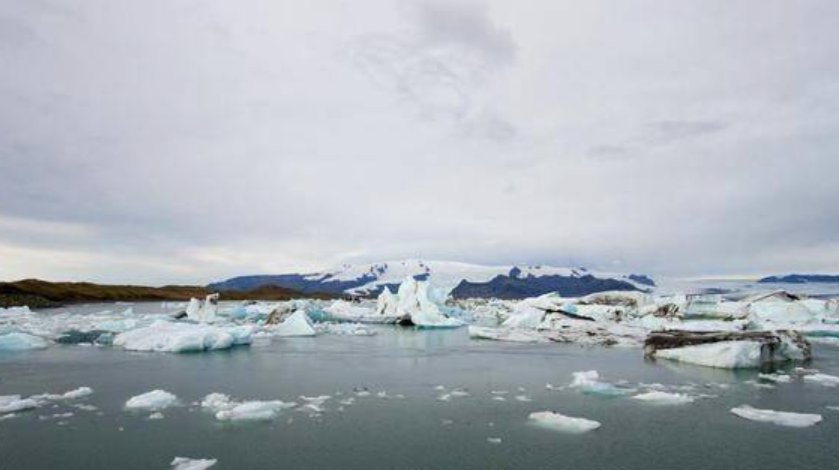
column 232, row 140
column 448, row 51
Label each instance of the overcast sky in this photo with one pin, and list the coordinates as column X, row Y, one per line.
column 186, row 141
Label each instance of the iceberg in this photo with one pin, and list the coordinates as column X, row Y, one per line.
column 588, row 382
column 781, row 418
column 154, row 400
column 16, row 341
column 664, row 398
column 344, row 311
column 203, row 312
column 298, row 324
column 559, row 422
column 515, row 335
column 415, row 303
column 183, row 463
column 165, row 336
column 226, row 409
column 724, row 354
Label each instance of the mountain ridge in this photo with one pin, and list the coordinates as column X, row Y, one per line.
column 461, row 279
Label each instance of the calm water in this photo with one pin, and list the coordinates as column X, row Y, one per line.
column 417, row 432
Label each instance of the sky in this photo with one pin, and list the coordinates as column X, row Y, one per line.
column 186, row 141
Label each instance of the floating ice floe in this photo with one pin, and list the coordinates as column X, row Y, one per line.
column 226, row 409
column 344, row 329
column 781, row 418
column 71, row 395
column 14, row 403
column 776, row 378
column 17, row 341
column 589, row 382
column 181, row 337
column 154, row 400
column 514, row 335
column 822, row 379
column 664, row 398
column 183, row 463
column 298, row 324
column 559, row 422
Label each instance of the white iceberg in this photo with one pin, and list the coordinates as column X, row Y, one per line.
column 515, row 335
column 559, row 422
column 16, row 341
column 154, row 400
column 416, row 302
column 781, row 418
column 204, row 312
column 664, row 398
column 165, row 336
column 344, row 311
column 724, row 354
column 183, row 463
column 226, row 409
column 298, row 324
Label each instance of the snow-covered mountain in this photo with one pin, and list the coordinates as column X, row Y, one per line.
column 461, row 279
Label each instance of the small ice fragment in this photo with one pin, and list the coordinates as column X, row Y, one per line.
column 459, row 393
column 589, row 382
column 781, row 418
column 440, row 388
column 348, row 401
column 499, row 398
column 444, row 397
column 183, row 463
column 664, row 398
column 156, row 416
column 446, row 422
column 523, row 398
column 494, row 440
column 559, row 422
column 822, row 379
column 226, row 409
column 777, row 378
column 154, row 400
column 499, row 392
column 757, row 384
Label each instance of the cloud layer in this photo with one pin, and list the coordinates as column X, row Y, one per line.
column 188, row 141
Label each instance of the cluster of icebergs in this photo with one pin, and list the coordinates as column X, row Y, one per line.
column 608, row 318
column 627, row 318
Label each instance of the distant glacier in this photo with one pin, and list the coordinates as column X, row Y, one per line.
column 461, row 279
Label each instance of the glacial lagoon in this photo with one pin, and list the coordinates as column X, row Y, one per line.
column 391, row 407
